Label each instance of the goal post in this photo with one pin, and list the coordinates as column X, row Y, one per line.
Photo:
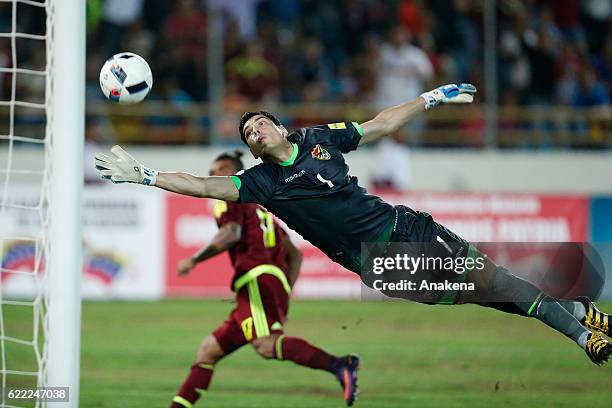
column 65, row 127
column 42, row 99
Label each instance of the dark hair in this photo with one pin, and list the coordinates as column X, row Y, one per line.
column 249, row 115
column 234, row 157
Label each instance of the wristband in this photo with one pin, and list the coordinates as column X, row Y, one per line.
column 149, row 176
column 430, row 99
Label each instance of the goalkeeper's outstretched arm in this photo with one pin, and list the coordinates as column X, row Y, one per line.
column 392, row 119
column 222, row 188
column 121, row 167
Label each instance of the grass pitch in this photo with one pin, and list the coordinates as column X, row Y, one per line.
column 137, row 355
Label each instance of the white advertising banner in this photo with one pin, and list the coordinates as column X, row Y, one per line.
column 123, row 243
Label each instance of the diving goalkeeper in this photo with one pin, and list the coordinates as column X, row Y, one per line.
column 303, row 179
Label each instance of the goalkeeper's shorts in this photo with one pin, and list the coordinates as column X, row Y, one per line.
column 419, row 237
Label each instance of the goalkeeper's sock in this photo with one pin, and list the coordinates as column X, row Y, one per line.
column 303, row 353
column 196, row 382
column 576, row 308
column 550, row 312
column 509, row 288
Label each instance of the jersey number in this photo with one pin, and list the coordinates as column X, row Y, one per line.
column 324, row 180
column 267, row 226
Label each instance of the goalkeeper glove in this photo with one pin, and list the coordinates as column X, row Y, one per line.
column 453, row 93
column 123, row 168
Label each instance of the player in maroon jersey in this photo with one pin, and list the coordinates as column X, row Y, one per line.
column 266, row 266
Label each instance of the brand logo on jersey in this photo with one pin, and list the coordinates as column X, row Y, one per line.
column 320, row 153
column 296, row 175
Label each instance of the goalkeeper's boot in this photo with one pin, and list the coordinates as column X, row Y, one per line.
column 595, row 319
column 598, row 349
column 346, row 372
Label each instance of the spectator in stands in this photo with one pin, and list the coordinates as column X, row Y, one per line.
column 464, row 45
column 365, row 69
column 567, row 17
column 323, row 21
column 411, row 16
column 589, row 91
column 391, row 164
column 344, row 87
column 546, row 22
column 254, row 75
column 513, row 66
column 541, row 62
column 186, row 28
column 118, row 15
column 314, row 69
column 403, row 70
column 139, row 39
column 603, row 65
column 596, row 15
column 184, row 48
column 244, row 13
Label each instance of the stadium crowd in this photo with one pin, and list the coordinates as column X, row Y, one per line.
column 368, row 52
column 550, row 51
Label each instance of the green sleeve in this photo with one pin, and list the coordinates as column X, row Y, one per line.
column 237, row 182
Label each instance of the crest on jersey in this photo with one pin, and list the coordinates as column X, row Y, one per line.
column 320, row 153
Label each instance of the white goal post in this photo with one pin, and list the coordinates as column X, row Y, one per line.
column 66, row 21
column 41, row 198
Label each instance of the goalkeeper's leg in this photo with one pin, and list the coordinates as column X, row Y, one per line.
column 589, row 315
column 511, row 294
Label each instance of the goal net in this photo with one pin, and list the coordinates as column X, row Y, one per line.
column 39, row 261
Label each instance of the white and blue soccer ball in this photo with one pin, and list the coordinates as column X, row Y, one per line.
column 126, row 78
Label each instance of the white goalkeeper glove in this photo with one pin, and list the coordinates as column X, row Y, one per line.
column 123, row 168
column 453, row 93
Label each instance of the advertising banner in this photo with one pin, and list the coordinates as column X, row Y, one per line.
column 190, row 225
column 504, row 217
column 134, row 238
column 123, row 251
column 476, row 217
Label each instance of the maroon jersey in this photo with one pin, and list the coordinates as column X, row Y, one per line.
column 260, row 241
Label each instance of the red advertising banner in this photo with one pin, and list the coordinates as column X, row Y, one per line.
column 504, row 217
column 476, row 217
column 189, row 226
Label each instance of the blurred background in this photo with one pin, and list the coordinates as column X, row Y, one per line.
column 543, row 67
column 529, row 161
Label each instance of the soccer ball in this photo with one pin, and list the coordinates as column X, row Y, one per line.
column 126, row 78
